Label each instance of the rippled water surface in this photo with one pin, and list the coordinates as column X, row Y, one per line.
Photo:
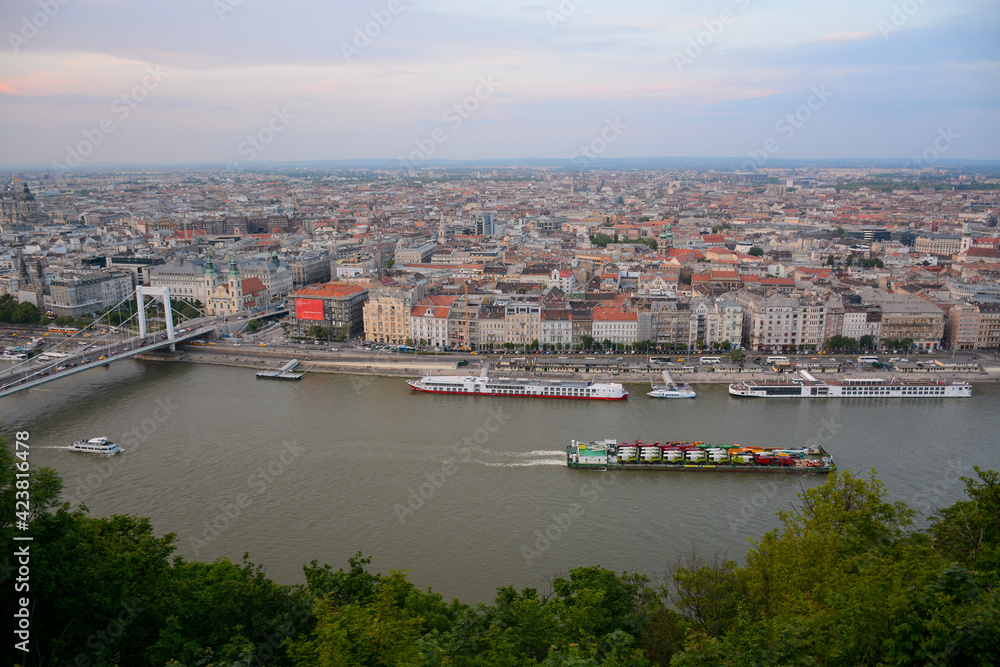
column 468, row 494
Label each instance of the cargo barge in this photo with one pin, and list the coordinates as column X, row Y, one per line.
column 610, row 455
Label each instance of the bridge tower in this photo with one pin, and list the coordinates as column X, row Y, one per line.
column 163, row 294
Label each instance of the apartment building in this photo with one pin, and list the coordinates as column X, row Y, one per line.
column 79, row 293
column 913, row 318
column 335, row 305
column 861, row 321
column 615, row 324
column 387, row 314
column 556, row 327
column 429, row 320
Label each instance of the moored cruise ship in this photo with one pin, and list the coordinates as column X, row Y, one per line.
column 810, row 387
column 482, row 385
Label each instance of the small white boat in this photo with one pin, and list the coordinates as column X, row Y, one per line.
column 95, row 446
column 671, row 389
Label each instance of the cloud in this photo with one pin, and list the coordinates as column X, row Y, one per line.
column 849, row 36
column 606, row 59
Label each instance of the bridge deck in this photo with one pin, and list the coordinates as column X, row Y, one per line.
column 25, row 377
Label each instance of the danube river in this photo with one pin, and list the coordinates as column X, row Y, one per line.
column 468, row 494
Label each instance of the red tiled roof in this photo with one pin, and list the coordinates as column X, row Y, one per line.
column 603, row 313
column 252, row 286
column 332, row 290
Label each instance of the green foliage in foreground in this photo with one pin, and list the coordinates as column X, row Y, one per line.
column 845, row 580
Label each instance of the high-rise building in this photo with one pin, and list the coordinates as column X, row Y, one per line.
column 484, row 223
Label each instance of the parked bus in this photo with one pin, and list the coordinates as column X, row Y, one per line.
column 662, row 361
column 778, row 361
column 868, row 360
column 406, row 348
column 710, row 360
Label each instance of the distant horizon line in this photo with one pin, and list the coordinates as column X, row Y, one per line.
column 733, row 163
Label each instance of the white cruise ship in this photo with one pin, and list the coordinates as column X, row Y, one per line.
column 95, row 446
column 482, row 385
column 810, row 387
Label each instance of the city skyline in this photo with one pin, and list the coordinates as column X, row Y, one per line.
column 94, row 83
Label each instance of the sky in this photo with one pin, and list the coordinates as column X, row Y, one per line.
column 90, row 82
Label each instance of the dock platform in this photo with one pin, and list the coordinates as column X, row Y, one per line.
column 283, row 373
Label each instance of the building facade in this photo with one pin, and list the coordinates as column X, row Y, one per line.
column 335, row 305
column 387, row 316
column 913, row 318
column 429, row 320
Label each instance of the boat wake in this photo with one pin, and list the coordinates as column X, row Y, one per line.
column 534, row 452
column 525, row 464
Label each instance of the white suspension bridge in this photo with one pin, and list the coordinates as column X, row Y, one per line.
column 87, row 349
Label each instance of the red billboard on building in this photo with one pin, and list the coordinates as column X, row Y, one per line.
column 309, row 309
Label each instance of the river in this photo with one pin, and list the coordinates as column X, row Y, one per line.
column 468, row 494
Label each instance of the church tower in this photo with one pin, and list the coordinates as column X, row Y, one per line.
column 966, row 238
column 235, row 287
column 442, row 235
column 666, row 239
column 211, row 277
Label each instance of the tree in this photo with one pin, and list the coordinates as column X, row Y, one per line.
column 736, row 356
column 968, row 532
column 25, row 313
column 708, row 594
column 840, row 343
column 45, row 485
column 601, row 240
column 866, row 342
column 861, row 567
column 756, row 251
column 253, row 325
column 588, row 342
column 830, row 260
